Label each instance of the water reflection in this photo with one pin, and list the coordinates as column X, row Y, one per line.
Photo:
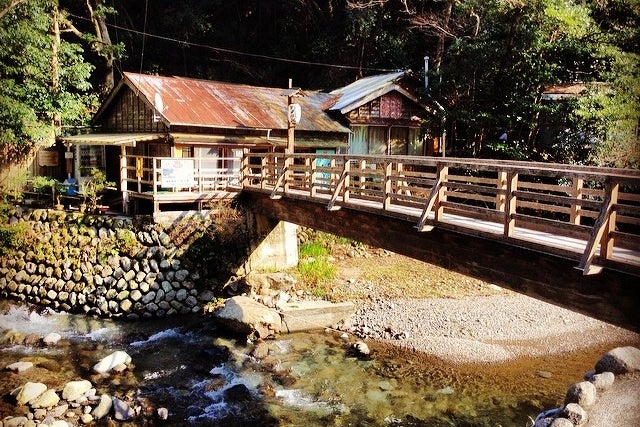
column 305, row 379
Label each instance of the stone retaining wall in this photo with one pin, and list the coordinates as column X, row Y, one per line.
column 99, row 265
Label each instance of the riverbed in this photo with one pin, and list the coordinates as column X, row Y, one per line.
column 204, row 376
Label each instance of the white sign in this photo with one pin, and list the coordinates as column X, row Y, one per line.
column 176, row 173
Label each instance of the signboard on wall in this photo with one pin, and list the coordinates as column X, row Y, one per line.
column 47, row 158
column 177, row 173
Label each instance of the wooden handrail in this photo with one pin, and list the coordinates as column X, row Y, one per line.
column 524, row 197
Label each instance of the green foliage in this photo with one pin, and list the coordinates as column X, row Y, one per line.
column 316, row 270
column 312, row 249
column 314, row 266
column 12, row 236
column 94, row 188
column 43, row 184
column 127, row 242
column 30, row 102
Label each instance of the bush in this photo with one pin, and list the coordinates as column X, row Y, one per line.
column 316, row 270
column 12, row 236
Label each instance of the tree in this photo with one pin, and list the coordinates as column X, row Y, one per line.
column 43, row 79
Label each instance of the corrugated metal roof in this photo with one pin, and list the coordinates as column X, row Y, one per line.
column 206, row 103
column 364, row 90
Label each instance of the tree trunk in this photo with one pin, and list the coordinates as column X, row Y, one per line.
column 443, row 34
column 104, row 42
column 55, row 62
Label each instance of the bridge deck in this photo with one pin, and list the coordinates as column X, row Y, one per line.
column 568, row 247
column 577, row 213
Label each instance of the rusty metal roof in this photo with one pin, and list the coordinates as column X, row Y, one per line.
column 366, row 89
column 206, row 103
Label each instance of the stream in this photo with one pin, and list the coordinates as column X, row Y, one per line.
column 205, row 377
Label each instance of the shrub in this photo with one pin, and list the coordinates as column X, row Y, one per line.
column 13, row 236
column 316, row 270
column 313, row 249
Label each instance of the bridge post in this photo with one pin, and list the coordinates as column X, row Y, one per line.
column 502, row 186
column 576, row 193
column 346, row 169
column 441, row 180
column 607, row 241
column 386, row 188
column 510, row 204
column 314, row 178
column 263, row 172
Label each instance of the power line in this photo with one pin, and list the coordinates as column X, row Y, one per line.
column 239, row 53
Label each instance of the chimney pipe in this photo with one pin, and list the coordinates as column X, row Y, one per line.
column 426, row 71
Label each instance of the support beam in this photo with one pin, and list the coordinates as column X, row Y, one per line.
column 600, row 231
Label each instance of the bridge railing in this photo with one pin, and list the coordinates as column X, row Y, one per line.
column 590, row 214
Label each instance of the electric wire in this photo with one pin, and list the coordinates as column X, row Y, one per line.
column 145, row 34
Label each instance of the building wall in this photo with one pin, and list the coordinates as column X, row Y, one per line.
column 131, row 114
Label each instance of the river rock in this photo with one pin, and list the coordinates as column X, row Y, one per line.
column 361, row 348
column 74, row 389
column 602, row 381
column 52, row 338
column 19, row 366
column 574, row 413
column 249, row 317
column 163, row 414
column 260, row 351
column 561, row 422
column 86, row 418
column 114, row 359
column 30, row 391
column 58, row 411
column 237, row 393
column 48, row 399
column 15, row 421
column 103, row 408
column 262, row 283
column 122, row 410
column 620, row 360
column 582, row 393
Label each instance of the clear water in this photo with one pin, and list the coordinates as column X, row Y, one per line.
column 307, row 379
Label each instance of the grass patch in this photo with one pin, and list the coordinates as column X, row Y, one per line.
column 316, row 270
column 313, row 249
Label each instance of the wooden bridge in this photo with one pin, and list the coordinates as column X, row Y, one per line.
column 569, row 235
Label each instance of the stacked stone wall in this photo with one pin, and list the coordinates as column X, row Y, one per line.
column 99, row 265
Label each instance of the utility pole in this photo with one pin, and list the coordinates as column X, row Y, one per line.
column 293, row 117
column 290, row 125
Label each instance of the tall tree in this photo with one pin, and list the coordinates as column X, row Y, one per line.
column 43, row 79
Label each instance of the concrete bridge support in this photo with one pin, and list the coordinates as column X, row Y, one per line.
column 610, row 296
column 277, row 245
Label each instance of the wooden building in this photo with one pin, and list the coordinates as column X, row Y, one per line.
column 386, row 116
column 179, row 140
column 170, row 140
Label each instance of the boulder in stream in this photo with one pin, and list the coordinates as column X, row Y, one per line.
column 247, row 316
column 111, row 361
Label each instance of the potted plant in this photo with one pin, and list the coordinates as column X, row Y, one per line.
column 93, row 190
column 43, row 184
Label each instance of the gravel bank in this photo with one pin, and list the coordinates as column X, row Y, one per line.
column 483, row 329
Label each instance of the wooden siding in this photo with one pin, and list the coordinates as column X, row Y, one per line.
column 388, row 109
column 129, row 113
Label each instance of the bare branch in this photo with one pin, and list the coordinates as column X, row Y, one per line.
column 11, row 5
column 363, row 4
column 68, row 27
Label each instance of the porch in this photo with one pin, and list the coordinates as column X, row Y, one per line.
column 177, row 180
